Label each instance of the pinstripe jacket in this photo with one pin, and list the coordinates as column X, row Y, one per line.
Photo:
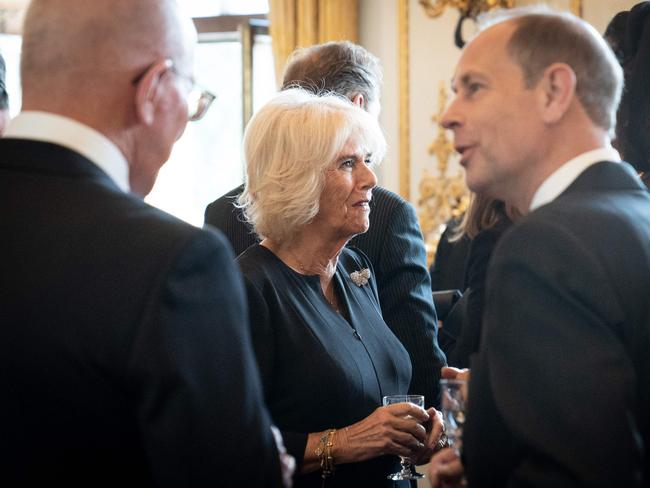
column 395, row 247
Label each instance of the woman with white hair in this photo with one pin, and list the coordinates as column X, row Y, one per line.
column 325, row 354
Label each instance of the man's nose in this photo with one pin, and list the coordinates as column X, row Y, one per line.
column 451, row 118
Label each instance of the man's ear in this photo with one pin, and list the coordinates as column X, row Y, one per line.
column 557, row 91
column 358, row 100
column 147, row 91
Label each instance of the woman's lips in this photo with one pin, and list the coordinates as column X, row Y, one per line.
column 364, row 204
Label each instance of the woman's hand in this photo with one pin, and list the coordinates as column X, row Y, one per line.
column 434, row 428
column 446, row 470
column 394, row 429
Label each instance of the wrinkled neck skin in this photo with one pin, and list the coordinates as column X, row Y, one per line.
column 309, row 254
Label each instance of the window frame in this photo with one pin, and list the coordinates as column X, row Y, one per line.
column 242, row 28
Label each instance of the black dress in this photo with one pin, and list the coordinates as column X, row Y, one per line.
column 320, row 371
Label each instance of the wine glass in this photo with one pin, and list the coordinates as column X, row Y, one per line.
column 406, row 473
column 454, row 398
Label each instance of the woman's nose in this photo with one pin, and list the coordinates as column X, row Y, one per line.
column 367, row 178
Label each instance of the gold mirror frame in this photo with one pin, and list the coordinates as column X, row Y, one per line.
column 435, row 8
column 466, row 7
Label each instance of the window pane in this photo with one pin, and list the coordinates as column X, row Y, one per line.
column 206, row 161
column 263, row 71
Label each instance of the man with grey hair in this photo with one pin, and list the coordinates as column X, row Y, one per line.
column 393, row 242
column 560, row 390
column 124, row 354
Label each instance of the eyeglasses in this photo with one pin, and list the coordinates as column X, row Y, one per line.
column 198, row 99
column 198, row 103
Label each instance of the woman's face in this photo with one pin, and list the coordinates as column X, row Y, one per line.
column 344, row 204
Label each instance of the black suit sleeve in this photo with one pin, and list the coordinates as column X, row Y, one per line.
column 552, row 389
column 406, row 302
column 223, row 214
column 200, row 406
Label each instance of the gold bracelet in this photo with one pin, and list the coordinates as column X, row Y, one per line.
column 324, row 453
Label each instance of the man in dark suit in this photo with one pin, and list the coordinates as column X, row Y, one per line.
column 560, row 390
column 125, row 359
column 394, row 242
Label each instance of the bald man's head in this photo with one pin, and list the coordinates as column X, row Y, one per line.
column 122, row 67
column 69, row 46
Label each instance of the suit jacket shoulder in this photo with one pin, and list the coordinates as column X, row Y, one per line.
column 563, row 325
column 224, row 215
column 136, row 320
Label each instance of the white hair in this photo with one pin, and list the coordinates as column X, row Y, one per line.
column 288, row 145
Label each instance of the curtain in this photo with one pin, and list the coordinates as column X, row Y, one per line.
column 301, row 23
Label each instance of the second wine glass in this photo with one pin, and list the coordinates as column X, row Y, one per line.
column 454, row 396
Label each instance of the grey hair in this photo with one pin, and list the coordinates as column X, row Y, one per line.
column 288, row 146
column 544, row 36
column 340, row 67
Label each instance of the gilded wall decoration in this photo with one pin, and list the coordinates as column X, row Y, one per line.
column 404, row 100
column 470, row 8
column 443, row 196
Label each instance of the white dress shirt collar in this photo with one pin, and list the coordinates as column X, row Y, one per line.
column 566, row 174
column 57, row 129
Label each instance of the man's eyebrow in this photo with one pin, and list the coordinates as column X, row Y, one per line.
column 470, row 76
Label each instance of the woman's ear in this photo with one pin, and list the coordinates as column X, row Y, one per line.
column 557, row 91
column 147, row 91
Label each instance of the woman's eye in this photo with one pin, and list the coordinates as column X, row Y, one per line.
column 348, row 163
